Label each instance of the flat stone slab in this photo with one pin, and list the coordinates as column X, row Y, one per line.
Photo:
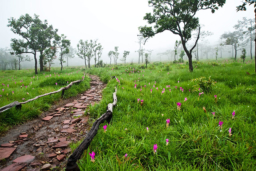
column 69, row 130
column 69, row 105
column 75, row 120
column 85, row 120
column 50, row 114
column 77, row 115
column 66, row 121
column 80, row 112
column 14, row 167
column 46, row 166
column 23, row 136
column 6, row 152
column 61, row 144
column 7, row 145
column 62, row 139
column 65, row 126
column 80, row 107
column 56, row 115
column 61, row 157
column 51, row 155
column 53, row 140
column 60, row 109
column 77, row 110
column 24, row 159
column 83, row 97
column 35, row 163
column 47, row 118
column 68, row 150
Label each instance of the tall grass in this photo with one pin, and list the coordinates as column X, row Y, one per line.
column 196, row 141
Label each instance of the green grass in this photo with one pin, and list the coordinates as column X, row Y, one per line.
column 196, row 141
column 32, row 86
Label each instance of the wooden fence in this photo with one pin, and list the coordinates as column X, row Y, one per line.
column 18, row 104
column 71, row 164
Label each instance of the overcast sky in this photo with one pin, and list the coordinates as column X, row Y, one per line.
column 112, row 22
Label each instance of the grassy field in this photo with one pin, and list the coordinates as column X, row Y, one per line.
column 196, row 141
column 24, row 85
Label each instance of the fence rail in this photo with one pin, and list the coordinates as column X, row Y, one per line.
column 71, row 164
column 18, row 104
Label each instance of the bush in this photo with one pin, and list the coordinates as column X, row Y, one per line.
column 167, row 68
column 152, row 67
column 202, row 83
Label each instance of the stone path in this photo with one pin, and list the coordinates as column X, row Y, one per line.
column 43, row 144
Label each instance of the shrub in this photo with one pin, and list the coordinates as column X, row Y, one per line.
column 167, row 68
column 202, row 83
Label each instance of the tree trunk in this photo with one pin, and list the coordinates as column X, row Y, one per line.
column 232, row 51
column 41, row 63
column 197, row 57
column 190, row 62
column 61, row 62
column 19, row 63
column 89, row 66
column 235, row 50
column 67, row 61
column 35, row 63
column 255, row 41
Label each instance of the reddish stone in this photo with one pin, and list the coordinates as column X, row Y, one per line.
column 90, row 98
column 68, row 150
column 85, row 120
column 66, row 121
column 24, row 159
column 57, row 115
column 62, row 139
column 23, row 136
column 52, row 140
column 6, row 152
column 35, row 163
column 61, row 144
column 90, row 95
column 75, row 101
column 65, row 126
column 69, row 105
column 52, row 155
column 47, row 118
column 83, row 97
column 7, row 145
column 80, row 112
column 69, row 130
column 14, row 167
column 77, row 110
column 77, row 115
column 75, row 120
column 61, row 157
column 80, row 107
column 50, row 114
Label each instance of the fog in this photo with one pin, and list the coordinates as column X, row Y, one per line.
column 115, row 23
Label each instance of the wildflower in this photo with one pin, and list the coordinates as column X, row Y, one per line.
column 140, row 89
column 229, row 131
column 167, row 142
column 126, row 155
column 178, row 81
column 147, row 129
column 154, row 86
column 135, row 86
column 122, row 87
column 215, row 96
column 148, row 83
column 213, row 113
column 170, row 90
column 92, row 156
column 138, row 100
column 220, row 124
column 151, row 91
column 182, row 90
column 157, row 88
column 105, row 128
column 176, row 87
column 23, row 98
column 141, row 102
column 56, row 83
column 2, row 89
column 178, row 105
column 8, row 85
column 189, row 90
column 12, row 92
column 233, row 114
column 167, row 122
column 204, row 109
column 27, row 93
column 162, row 92
column 155, row 148
column 185, row 99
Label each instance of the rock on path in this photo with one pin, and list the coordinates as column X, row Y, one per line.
column 43, row 143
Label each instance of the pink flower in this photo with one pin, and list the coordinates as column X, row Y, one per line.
column 151, row 90
column 23, row 98
column 167, row 141
column 92, row 156
column 144, row 85
column 213, row 113
column 199, row 89
column 229, row 131
column 126, row 155
column 105, row 128
column 154, row 148
column 157, row 88
column 162, row 92
column 163, row 89
column 182, row 90
column 140, row 89
column 142, row 101
column 233, row 114
column 185, row 99
column 56, row 83
column 154, row 86
column 7, row 85
column 147, row 129
column 178, row 81
column 167, row 120
column 189, row 90
column 2, row 89
column 176, row 87
column 138, row 100
column 0, row 95
column 179, row 104
column 215, row 96
column 220, row 124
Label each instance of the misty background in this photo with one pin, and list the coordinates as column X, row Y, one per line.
column 115, row 23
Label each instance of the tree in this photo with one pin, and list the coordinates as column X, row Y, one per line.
column 146, row 59
column 216, row 52
column 243, row 8
column 85, row 51
column 70, row 54
column 141, row 39
column 115, row 54
column 182, row 54
column 28, row 30
column 246, row 27
column 232, row 38
column 177, row 16
column 243, row 56
column 110, row 54
column 177, row 44
column 62, row 43
column 22, row 59
column 95, row 48
column 99, row 54
column 126, row 53
column 49, row 56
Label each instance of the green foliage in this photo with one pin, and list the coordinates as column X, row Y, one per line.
column 167, row 68
column 243, row 56
column 204, row 84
